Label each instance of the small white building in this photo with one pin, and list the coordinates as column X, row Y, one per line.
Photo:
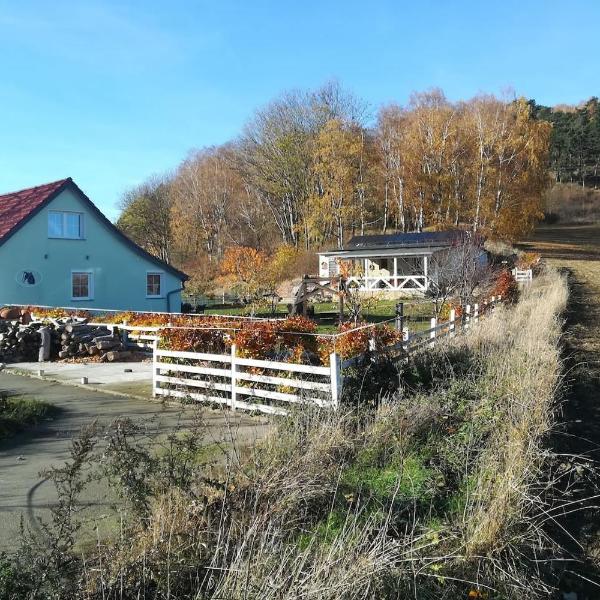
column 404, row 263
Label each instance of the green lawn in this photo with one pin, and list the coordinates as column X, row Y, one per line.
column 418, row 313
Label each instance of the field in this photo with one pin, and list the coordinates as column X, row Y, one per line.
column 576, row 250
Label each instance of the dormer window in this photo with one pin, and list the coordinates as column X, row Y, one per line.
column 65, row 225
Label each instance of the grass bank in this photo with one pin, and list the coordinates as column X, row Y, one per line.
column 18, row 414
column 436, row 491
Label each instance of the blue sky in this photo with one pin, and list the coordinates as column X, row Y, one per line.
column 113, row 92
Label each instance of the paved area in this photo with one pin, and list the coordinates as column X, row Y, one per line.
column 132, row 378
column 24, row 493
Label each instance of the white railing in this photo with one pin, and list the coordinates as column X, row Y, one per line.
column 522, row 275
column 231, row 380
column 414, row 342
column 390, row 282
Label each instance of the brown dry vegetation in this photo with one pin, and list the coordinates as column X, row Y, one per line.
column 438, row 492
column 570, row 203
column 576, row 251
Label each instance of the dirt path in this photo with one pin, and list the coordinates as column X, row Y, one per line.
column 577, row 251
column 24, row 493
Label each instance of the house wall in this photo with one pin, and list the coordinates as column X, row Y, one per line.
column 119, row 273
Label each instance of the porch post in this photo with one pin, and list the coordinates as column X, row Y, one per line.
column 395, row 280
column 425, row 273
column 366, row 268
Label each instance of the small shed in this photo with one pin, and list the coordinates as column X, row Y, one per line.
column 398, row 262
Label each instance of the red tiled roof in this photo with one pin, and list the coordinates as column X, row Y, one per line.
column 18, row 206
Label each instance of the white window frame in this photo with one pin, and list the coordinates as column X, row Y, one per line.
column 161, row 274
column 64, row 214
column 90, row 295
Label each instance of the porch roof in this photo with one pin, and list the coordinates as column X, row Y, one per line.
column 381, row 252
column 425, row 239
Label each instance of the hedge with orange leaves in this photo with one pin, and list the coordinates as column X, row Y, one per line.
column 355, row 341
column 505, row 286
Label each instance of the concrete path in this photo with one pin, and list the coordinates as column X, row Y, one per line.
column 23, row 493
column 131, row 378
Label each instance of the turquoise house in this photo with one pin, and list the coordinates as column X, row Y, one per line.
column 58, row 249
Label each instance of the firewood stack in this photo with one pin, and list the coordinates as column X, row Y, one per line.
column 19, row 343
column 81, row 339
column 68, row 338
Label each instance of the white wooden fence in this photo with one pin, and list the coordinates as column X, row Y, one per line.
column 235, row 381
column 268, row 386
column 522, row 275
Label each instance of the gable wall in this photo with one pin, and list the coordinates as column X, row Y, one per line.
column 119, row 272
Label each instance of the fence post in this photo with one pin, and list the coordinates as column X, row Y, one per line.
column 233, row 377
column 155, row 383
column 399, row 316
column 433, row 332
column 372, row 344
column 405, row 338
column 452, row 329
column 335, row 373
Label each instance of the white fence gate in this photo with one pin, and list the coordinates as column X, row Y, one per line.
column 522, row 275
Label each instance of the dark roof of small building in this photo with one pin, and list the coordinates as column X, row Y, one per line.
column 17, row 208
column 425, row 239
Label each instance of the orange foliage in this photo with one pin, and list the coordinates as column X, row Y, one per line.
column 56, row 313
column 505, row 286
column 355, row 340
column 528, row 260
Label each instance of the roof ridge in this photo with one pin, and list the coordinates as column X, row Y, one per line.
column 58, row 182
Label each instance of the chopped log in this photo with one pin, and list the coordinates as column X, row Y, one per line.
column 114, row 356
column 79, row 327
column 45, row 341
column 108, row 344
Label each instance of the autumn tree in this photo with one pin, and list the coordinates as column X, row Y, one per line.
column 146, row 216
column 308, row 170
column 206, row 189
column 337, row 155
column 243, row 268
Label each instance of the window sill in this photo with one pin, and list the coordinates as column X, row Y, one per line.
column 81, row 299
column 79, row 239
column 155, row 297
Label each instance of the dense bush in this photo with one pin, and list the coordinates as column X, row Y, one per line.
column 17, row 414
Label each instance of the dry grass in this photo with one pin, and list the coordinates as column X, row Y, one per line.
column 521, row 377
column 432, row 495
column 572, row 203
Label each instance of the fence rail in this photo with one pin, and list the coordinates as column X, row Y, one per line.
column 237, row 381
column 522, row 275
column 233, row 381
